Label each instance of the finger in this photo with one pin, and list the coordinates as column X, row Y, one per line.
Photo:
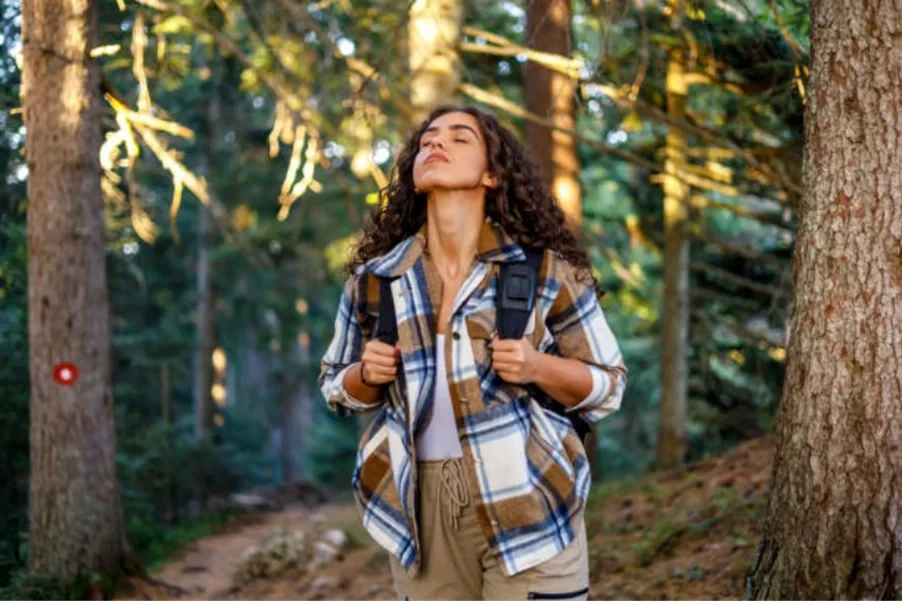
column 505, row 356
column 381, row 348
column 505, row 367
column 506, row 376
column 379, row 379
column 376, row 359
column 381, row 370
column 379, row 362
column 505, row 344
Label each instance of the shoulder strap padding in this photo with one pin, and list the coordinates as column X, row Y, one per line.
column 386, row 324
column 515, row 296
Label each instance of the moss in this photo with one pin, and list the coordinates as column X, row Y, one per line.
column 660, row 539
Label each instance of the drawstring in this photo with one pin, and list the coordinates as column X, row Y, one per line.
column 458, row 496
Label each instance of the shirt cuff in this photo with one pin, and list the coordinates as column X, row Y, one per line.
column 600, row 384
column 348, row 400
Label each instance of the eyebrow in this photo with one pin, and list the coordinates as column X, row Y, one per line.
column 456, row 126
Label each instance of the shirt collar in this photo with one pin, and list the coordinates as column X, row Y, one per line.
column 493, row 246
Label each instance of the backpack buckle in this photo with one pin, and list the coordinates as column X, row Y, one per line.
column 518, row 288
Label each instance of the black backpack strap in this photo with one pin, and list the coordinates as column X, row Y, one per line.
column 518, row 285
column 516, row 294
column 386, row 325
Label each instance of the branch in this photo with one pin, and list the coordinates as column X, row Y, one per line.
column 257, row 27
column 198, row 186
column 624, row 100
column 765, row 258
column 299, row 14
column 170, row 127
column 732, row 278
column 516, row 110
column 700, row 201
column 568, row 66
column 703, row 293
column 144, row 126
column 282, row 88
column 740, row 332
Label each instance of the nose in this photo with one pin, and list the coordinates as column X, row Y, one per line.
column 435, row 141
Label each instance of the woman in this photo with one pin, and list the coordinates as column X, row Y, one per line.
column 475, row 489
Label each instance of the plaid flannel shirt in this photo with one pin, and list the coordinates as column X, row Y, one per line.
column 526, row 462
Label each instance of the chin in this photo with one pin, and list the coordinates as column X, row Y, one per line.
column 434, row 184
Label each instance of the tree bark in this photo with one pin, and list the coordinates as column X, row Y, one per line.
column 834, row 521
column 75, row 516
column 433, row 36
column 204, row 407
column 550, row 94
column 296, row 409
column 671, row 446
column 254, row 383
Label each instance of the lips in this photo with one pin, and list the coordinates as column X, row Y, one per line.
column 436, row 157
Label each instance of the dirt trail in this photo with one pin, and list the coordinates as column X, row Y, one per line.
column 686, row 534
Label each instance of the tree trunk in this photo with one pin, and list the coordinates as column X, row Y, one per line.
column 75, row 515
column 550, row 94
column 433, row 36
column 834, row 522
column 204, row 407
column 671, row 446
column 296, row 408
column 171, row 503
column 254, row 387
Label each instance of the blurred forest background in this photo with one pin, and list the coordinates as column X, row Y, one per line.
column 246, row 141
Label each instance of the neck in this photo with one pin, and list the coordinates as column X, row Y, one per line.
column 454, row 220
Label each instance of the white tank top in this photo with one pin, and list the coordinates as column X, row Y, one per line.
column 439, row 440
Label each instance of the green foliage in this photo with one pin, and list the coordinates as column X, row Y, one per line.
column 659, row 539
column 14, row 386
column 332, row 449
column 28, row 586
column 154, row 543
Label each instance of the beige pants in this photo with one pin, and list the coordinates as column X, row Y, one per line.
column 457, row 563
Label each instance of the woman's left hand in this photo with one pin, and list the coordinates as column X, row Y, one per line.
column 515, row 360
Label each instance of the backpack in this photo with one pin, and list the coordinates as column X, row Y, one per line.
column 514, row 301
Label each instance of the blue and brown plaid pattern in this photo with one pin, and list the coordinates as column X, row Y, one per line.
column 526, row 462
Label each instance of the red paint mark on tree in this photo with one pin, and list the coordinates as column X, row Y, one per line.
column 65, row 374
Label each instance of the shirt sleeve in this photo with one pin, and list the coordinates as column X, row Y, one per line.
column 581, row 332
column 344, row 351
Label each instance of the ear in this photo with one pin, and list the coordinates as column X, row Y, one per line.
column 489, row 180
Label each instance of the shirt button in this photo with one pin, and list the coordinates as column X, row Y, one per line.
column 455, row 335
column 465, row 401
column 494, row 523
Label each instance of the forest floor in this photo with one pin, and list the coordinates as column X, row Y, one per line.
column 683, row 534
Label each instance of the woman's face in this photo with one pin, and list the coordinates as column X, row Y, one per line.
column 452, row 155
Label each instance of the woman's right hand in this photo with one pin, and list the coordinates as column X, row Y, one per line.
column 379, row 363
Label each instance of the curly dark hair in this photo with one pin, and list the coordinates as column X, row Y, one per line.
column 521, row 204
